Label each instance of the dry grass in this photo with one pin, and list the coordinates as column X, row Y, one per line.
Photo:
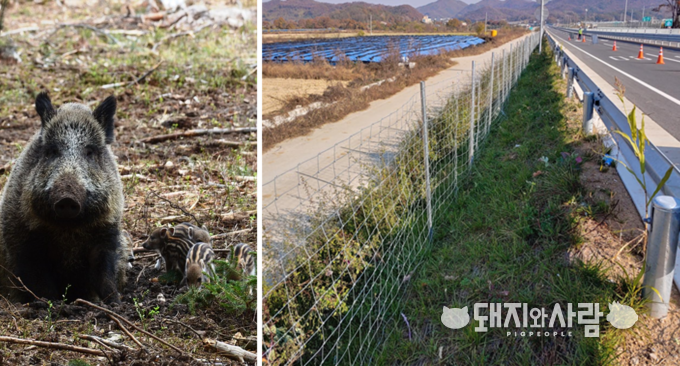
column 351, row 98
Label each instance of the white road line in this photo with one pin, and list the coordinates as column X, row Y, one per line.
column 665, row 58
column 623, row 58
column 612, row 57
column 661, row 93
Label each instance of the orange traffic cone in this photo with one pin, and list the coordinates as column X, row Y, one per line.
column 569, row 37
column 583, row 37
column 614, row 49
column 660, row 59
column 640, row 55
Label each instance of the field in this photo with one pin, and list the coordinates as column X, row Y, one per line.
column 365, row 83
column 365, row 49
column 186, row 150
column 280, row 89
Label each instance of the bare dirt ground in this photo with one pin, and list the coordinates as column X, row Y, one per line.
column 172, row 74
column 280, row 89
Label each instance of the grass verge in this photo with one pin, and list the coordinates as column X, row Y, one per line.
column 504, row 239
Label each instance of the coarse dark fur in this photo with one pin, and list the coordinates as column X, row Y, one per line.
column 199, row 266
column 61, row 209
column 173, row 243
column 243, row 254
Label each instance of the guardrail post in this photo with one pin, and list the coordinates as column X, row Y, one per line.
column 563, row 71
column 588, row 112
column 426, row 151
column 570, row 83
column 661, row 251
column 472, row 118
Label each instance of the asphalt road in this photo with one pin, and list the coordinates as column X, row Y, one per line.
column 654, row 89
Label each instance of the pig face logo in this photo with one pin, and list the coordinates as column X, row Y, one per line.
column 455, row 318
column 621, row 316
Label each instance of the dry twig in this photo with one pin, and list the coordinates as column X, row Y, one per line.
column 109, row 312
column 194, row 133
column 53, row 345
column 127, row 332
column 228, row 350
column 106, row 342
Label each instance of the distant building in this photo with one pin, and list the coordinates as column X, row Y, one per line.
column 426, row 20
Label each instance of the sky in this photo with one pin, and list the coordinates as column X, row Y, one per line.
column 413, row 3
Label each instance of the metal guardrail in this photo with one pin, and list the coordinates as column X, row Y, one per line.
column 656, row 162
column 661, row 37
column 662, row 244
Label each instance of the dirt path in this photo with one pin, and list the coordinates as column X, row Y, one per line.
column 297, row 152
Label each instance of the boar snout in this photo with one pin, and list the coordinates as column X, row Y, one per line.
column 67, row 208
column 67, row 197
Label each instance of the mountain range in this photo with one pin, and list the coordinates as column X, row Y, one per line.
column 510, row 10
column 294, row 10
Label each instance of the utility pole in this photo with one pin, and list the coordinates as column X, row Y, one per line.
column 625, row 11
column 540, row 42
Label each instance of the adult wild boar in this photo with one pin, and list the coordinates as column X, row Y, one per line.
column 61, row 209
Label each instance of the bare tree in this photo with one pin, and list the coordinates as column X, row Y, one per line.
column 3, row 6
column 673, row 6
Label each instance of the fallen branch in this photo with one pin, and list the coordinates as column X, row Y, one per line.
column 137, row 176
column 194, row 133
column 178, row 207
column 19, row 31
column 181, row 34
column 233, row 233
column 223, row 142
column 141, row 78
column 127, row 332
column 134, row 82
column 53, row 345
column 233, row 352
column 94, row 29
column 244, row 178
column 109, row 312
column 106, row 342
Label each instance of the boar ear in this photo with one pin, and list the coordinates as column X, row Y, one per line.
column 104, row 115
column 43, row 105
column 191, row 232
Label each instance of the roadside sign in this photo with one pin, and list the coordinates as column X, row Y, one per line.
column 668, row 22
column 647, row 19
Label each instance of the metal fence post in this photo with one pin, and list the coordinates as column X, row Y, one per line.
column 661, row 251
column 504, row 91
column 472, row 118
column 511, row 79
column 588, row 112
column 490, row 113
column 426, row 150
column 570, row 83
column 563, row 72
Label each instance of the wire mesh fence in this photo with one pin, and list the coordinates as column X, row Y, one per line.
column 344, row 231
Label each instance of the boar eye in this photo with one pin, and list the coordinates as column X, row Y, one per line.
column 51, row 151
column 89, row 152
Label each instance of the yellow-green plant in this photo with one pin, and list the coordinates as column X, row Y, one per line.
column 638, row 140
